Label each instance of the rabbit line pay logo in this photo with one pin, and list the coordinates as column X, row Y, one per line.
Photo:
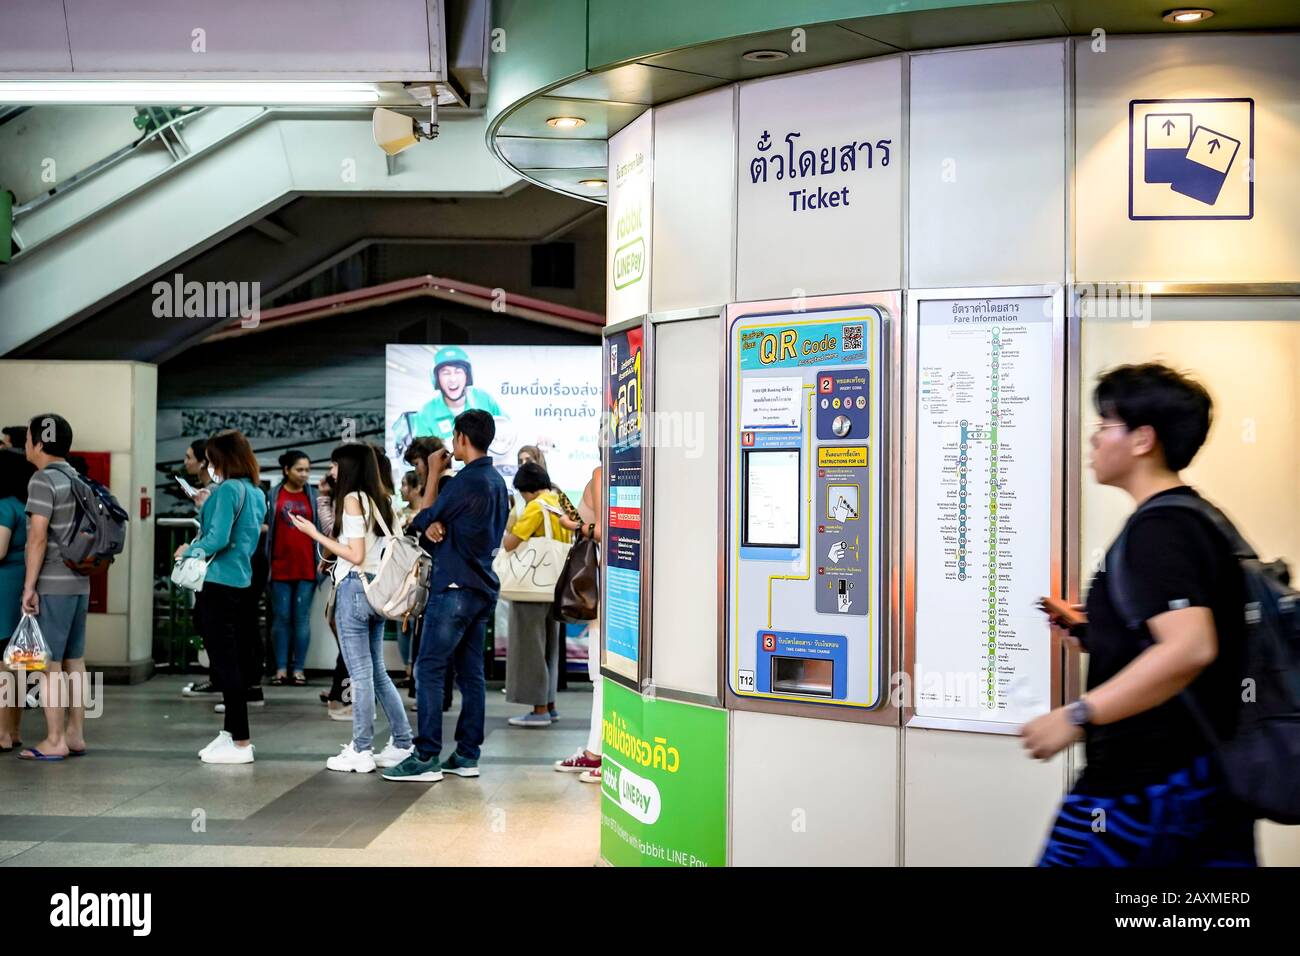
column 1191, row 159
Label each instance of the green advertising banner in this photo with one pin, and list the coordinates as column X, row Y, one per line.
column 663, row 782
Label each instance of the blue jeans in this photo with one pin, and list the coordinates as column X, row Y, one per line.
column 361, row 639
column 404, row 635
column 291, row 613
column 455, row 627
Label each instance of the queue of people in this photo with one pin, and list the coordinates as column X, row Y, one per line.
column 332, row 536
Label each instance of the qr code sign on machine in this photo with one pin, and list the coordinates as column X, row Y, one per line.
column 853, row 338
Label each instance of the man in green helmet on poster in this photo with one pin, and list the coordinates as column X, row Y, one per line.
column 454, row 392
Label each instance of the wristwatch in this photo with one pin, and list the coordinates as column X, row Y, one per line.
column 1079, row 713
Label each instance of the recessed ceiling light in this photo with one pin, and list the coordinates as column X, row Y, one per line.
column 1187, row 15
column 566, row 122
column 765, row 56
column 593, row 183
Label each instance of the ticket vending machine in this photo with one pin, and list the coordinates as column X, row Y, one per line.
column 805, row 490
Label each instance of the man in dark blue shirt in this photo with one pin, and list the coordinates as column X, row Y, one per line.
column 462, row 528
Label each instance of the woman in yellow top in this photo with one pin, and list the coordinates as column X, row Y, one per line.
column 534, row 653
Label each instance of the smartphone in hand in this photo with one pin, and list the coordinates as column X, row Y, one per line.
column 1062, row 614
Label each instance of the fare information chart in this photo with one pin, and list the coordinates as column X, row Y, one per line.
column 983, row 508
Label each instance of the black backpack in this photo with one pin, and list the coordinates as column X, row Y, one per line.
column 1261, row 762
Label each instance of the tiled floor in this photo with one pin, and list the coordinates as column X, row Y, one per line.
column 141, row 797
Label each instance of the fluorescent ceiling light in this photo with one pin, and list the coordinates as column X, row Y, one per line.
column 186, row 93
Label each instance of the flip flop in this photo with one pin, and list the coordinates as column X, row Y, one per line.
column 37, row 755
column 76, row 753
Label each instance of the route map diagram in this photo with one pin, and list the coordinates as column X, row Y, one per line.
column 984, row 447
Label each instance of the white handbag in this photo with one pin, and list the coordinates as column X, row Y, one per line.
column 529, row 572
column 190, row 573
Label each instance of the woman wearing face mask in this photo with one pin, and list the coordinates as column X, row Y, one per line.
column 362, row 510
column 197, row 467
column 292, row 556
column 200, row 472
column 228, row 532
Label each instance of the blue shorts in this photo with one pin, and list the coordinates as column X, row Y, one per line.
column 63, row 624
column 1188, row 820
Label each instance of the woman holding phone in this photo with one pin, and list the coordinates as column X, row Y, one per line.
column 229, row 526
column 362, row 505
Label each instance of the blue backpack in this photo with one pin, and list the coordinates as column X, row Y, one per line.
column 1261, row 762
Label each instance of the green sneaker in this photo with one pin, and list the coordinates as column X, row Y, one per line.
column 413, row 769
column 460, row 766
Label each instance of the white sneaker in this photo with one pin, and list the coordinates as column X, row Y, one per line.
column 340, row 713
column 217, row 741
column 349, row 760
column 227, row 752
column 392, row 755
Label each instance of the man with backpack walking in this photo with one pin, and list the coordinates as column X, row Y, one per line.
column 53, row 592
column 1166, row 636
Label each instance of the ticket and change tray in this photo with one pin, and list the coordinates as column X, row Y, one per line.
column 803, row 614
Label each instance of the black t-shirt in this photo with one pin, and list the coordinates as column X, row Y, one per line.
column 1175, row 559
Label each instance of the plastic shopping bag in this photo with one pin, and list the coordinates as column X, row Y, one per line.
column 27, row 649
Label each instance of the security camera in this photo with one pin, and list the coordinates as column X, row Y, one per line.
column 395, row 132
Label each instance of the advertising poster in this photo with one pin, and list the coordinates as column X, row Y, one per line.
column 621, row 596
column 547, row 396
column 627, row 249
column 663, row 782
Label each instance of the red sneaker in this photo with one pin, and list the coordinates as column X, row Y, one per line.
column 578, row 763
column 591, row 776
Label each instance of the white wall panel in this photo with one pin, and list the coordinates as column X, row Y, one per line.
column 851, row 240
column 812, row 792
column 684, row 628
column 976, row 799
column 694, row 202
column 1185, row 72
column 986, row 192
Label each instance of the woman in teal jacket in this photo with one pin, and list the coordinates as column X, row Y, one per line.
column 15, row 472
column 229, row 526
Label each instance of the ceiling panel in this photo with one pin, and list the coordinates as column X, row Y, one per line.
column 568, row 180
column 822, row 45
column 637, row 83
column 603, row 119
column 532, row 152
